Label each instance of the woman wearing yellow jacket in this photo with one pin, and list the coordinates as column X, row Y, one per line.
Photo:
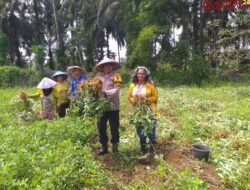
column 143, row 90
column 62, row 89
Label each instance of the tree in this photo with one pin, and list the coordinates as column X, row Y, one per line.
column 18, row 30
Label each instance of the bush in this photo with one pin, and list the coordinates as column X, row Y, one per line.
column 196, row 72
column 9, row 76
column 198, row 69
column 14, row 76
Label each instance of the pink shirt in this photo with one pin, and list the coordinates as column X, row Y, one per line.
column 112, row 89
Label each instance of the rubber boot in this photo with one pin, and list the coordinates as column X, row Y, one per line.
column 103, row 150
column 152, row 145
column 143, row 148
column 115, row 148
column 151, row 148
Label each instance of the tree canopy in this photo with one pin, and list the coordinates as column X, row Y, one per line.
column 62, row 33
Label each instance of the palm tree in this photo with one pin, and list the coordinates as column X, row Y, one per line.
column 18, row 29
column 100, row 22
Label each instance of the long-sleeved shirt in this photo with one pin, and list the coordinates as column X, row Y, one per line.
column 74, row 83
column 111, row 86
column 151, row 94
column 48, row 103
column 62, row 91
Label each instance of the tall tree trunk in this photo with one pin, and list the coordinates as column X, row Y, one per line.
column 79, row 53
column 49, row 25
column 195, row 24
column 50, row 54
column 61, row 58
column 38, row 33
column 108, row 51
column 1, row 20
column 118, row 51
column 55, row 20
column 15, row 55
column 202, row 25
column 212, row 56
column 78, row 48
column 174, row 36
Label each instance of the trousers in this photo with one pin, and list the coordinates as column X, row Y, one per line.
column 143, row 137
column 114, row 122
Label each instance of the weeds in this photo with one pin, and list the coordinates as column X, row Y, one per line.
column 57, row 154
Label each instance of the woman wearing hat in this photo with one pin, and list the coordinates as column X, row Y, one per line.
column 62, row 89
column 78, row 75
column 48, row 97
column 142, row 90
column 111, row 87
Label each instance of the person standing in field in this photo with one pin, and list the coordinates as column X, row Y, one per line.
column 143, row 91
column 78, row 75
column 111, row 87
column 62, row 89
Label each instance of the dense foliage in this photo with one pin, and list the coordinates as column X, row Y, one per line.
column 89, row 100
column 56, row 34
column 14, row 76
column 143, row 117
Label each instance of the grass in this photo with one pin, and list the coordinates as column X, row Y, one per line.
column 216, row 115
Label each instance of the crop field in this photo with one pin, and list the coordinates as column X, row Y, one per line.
column 61, row 154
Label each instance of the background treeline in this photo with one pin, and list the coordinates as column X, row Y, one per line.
column 52, row 34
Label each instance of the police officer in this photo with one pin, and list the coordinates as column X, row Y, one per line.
column 111, row 87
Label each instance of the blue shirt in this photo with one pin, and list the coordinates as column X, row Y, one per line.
column 74, row 83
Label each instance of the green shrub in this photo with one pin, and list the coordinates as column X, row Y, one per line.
column 14, row 76
column 197, row 69
column 9, row 76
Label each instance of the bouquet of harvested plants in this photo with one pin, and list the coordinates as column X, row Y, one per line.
column 143, row 117
column 89, row 101
column 24, row 107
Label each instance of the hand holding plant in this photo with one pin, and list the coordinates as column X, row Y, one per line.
column 23, row 95
column 143, row 117
column 90, row 101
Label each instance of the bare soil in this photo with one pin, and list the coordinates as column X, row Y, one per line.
column 179, row 158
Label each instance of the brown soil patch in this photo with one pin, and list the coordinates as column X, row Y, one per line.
column 124, row 176
column 182, row 159
column 179, row 158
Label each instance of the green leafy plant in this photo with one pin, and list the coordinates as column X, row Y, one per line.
column 187, row 180
column 143, row 117
column 25, row 109
column 89, row 101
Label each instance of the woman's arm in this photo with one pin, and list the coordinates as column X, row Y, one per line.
column 154, row 95
column 131, row 99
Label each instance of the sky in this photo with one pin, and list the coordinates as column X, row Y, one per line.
column 113, row 48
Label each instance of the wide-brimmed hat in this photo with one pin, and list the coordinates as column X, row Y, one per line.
column 58, row 73
column 114, row 63
column 46, row 83
column 69, row 69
